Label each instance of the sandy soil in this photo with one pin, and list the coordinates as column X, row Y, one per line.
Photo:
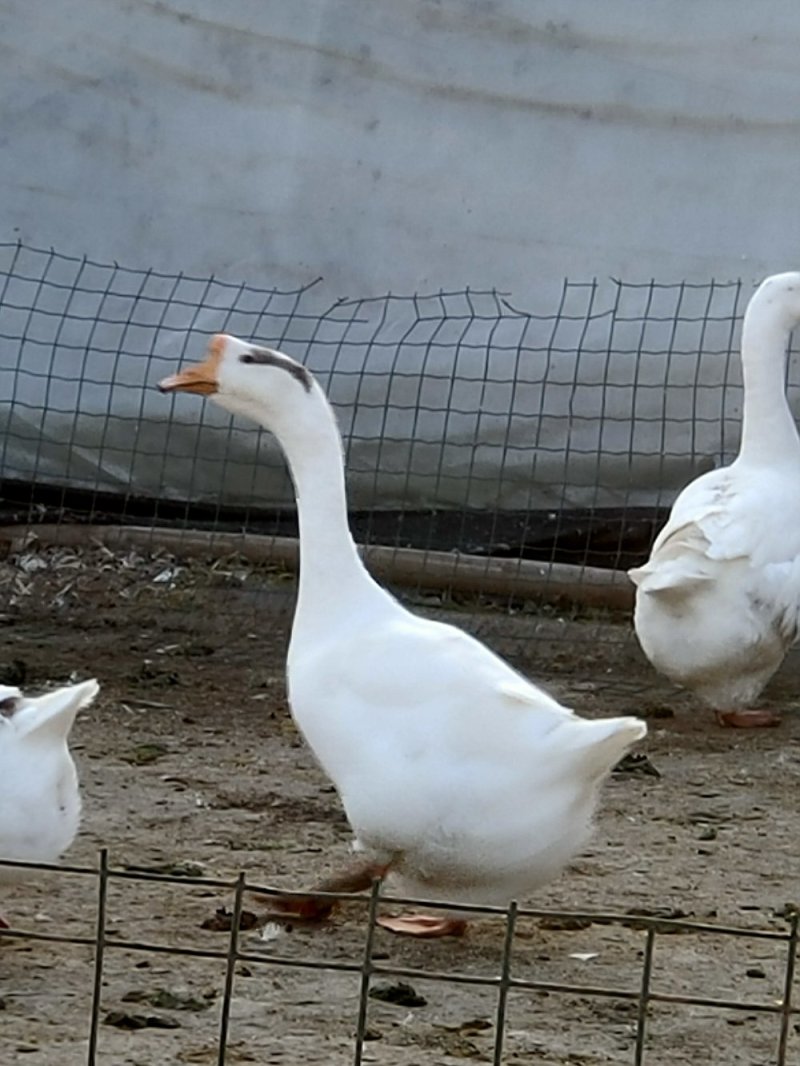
column 190, row 760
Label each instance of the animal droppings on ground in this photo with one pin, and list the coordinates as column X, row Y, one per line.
column 222, row 921
column 401, row 994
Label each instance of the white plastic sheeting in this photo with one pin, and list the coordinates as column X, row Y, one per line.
column 404, row 148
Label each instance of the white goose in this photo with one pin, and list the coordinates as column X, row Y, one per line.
column 718, row 602
column 40, row 804
column 458, row 776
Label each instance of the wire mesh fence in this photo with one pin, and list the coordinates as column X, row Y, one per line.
column 501, row 456
column 473, row 428
column 645, row 989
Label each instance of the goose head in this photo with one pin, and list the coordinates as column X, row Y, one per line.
column 247, row 379
column 779, row 297
column 49, row 716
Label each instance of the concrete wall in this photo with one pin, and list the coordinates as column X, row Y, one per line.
column 411, row 147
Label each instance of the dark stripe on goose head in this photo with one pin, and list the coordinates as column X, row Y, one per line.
column 266, row 357
column 9, row 705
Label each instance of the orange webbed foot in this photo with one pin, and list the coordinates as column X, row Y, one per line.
column 426, row 926
column 748, row 719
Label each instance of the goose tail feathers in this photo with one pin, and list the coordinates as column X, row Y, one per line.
column 604, row 742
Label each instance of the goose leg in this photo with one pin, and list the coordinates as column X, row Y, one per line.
column 748, row 719
column 314, row 908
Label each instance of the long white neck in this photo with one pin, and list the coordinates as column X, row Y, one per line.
column 334, row 584
column 769, row 434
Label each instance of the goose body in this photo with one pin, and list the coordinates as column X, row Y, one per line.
column 458, row 775
column 40, row 804
column 718, row 601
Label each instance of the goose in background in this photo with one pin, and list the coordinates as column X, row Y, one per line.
column 718, row 601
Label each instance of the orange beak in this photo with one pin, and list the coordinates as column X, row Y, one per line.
column 200, row 377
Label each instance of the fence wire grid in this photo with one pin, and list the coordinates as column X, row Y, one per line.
column 644, row 993
column 515, row 458
column 471, row 425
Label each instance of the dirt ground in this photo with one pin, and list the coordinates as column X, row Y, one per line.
column 190, row 760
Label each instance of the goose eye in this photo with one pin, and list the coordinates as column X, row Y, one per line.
column 248, row 357
column 8, row 706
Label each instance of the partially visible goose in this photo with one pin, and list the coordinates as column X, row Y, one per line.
column 40, row 804
column 718, row 602
column 458, row 776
